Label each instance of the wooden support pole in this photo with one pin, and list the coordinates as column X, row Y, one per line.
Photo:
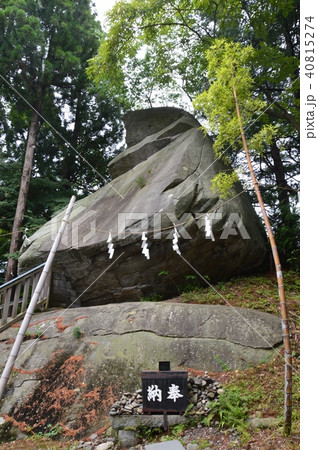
column 28, row 315
column 280, row 282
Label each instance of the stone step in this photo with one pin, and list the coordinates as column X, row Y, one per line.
column 169, row 445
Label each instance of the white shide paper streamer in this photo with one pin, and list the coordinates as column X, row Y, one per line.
column 208, row 228
column 110, row 246
column 175, row 245
column 144, row 246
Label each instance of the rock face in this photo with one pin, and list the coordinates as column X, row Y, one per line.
column 61, row 377
column 162, row 179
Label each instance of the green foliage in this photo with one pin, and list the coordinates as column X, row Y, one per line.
column 230, row 71
column 221, row 363
column 190, row 277
column 176, row 431
column 263, row 138
column 228, row 68
column 153, row 298
column 150, row 434
column 138, row 56
column 231, row 410
column 223, row 182
column 166, row 275
column 203, row 443
column 163, row 273
column 37, row 332
column 14, row 255
column 77, row 333
column 141, row 182
column 192, row 284
column 54, row 430
column 188, row 408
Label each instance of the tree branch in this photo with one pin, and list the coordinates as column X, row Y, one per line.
column 170, row 24
column 282, row 113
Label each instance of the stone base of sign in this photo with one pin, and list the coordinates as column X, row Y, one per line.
column 120, row 422
column 169, row 445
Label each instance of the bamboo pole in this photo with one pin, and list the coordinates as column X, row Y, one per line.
column 28, row 315
column 280, row 282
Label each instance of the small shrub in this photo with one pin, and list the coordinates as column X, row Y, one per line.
column 230, row 410
column 54, row 430
column 152, row 298
column 149, row 434
column 163, row 273
column 37, row 332
column 141, row 182
column 221, row 363
column 192, row 285
column 77, row 333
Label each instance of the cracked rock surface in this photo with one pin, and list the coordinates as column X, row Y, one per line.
column 118, row 341
column 162, row 178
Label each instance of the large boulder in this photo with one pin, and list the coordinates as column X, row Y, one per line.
column 87, row 350
column 162, row 179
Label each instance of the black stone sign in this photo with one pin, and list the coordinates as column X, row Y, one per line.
column 164, row 391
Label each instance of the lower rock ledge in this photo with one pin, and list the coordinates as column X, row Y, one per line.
column 120, row 422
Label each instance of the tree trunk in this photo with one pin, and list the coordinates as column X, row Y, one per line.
column 287, row 233
column 12, row 267
column 279, row 172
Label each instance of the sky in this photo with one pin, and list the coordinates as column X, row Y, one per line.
column 102, row 6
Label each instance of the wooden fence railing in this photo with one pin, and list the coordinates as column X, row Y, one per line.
column 16, row 294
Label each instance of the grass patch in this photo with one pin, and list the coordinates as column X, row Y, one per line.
column 255, row 292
